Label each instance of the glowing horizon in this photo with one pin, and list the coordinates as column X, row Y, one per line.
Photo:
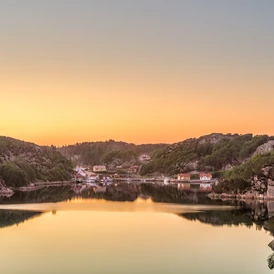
column 140, row 72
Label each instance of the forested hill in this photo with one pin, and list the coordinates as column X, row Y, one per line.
column 110, row 152
column 22, row 163
column 215, row 152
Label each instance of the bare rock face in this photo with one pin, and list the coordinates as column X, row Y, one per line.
column 264, row 183
column 266, row 170
column 192, row 165
column 270, row 182
column 264, row 148
column 228, row 167
column 262, row 187
column 213, row 138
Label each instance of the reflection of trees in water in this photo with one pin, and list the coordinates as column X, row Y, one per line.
column 115, row 192
column 255, row 215
column 12, row 217
column 270, row 261
column 51, row 194
column 221, row 217
column 171, row 194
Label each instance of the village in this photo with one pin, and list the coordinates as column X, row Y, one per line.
column 98, row 177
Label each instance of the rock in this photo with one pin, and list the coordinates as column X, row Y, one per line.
column 270, row 182
column 257, row 185
column 228, row 167
column 264, row 148
column 266, row 170
column 213, row 138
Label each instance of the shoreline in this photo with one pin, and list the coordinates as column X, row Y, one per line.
column 240, row 197
column 9, row 191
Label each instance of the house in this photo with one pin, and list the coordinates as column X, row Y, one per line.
column 91, row 177
column 144, row 157
column 99, row 168
column 205, row 176
column 183, row 177
column 133, row 169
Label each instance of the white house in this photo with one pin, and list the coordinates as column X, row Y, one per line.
column 144, row 157
column 205, row 176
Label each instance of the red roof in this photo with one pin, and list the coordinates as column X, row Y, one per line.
column 205, row 174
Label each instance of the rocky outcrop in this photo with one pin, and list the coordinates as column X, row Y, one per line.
column 214, row 138
column 264, row 148
column 261, row 187
column 263, row 184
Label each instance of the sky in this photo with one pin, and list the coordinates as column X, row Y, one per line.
column 145, row 71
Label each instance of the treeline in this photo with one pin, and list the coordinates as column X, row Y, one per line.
column 22, row 163
column 93, row 153
column 205, row 153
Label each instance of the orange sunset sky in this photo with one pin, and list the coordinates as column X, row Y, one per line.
column 138, row 71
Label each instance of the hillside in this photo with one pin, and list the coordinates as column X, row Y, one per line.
column 110, row 152
column 22, row 163
column 215, row 152
column 255, row 176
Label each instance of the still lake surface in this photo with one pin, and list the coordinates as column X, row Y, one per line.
column 142, row 236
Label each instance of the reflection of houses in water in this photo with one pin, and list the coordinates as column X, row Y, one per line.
column 195, row 185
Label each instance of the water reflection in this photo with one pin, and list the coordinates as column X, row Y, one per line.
column 255, row 215
column 191, row 206
column 15, row 217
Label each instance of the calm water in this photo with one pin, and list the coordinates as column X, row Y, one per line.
column 98, row 236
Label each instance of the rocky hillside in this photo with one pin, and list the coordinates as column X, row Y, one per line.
column 215, row 153
column 22, row 163
column 254, row 177
column 111, row 153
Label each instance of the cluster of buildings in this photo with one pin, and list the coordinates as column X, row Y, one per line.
column 204, row 182
column 82, row 174
column 100, row 173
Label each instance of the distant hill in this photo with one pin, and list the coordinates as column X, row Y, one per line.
column 22, row 163
column 215, row 152
column 111, row 153
column 236, row 159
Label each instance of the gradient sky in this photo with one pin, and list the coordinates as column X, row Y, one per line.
column 139, row 71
